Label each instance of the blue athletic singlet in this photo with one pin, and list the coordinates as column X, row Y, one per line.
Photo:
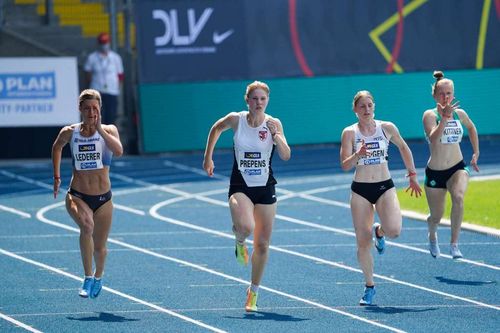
column 253, row 150
column 89, row 153
column 377, row 144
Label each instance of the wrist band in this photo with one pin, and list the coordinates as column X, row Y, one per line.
column 56, row 177
column 411, row 174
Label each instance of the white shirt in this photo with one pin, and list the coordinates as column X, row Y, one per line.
column 89, row 153
column 253, row 147
column 377, row 145
column 105, row 69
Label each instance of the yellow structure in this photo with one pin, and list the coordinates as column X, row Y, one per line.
column 92, row 18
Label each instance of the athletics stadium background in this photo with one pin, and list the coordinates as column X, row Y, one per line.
column 193, row 59
column 196, row 58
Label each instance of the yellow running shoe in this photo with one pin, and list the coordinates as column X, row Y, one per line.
column 251, row 304
column 241, row 253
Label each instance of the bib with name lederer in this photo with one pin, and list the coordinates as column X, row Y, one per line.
column 253, row 148
column 377, row 145
column 89, row 153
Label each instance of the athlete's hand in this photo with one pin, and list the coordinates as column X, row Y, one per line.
column 363, row 150
column 446, row 110
column 208, row 166
column 473, row 162
column 98, row 121
column 272, row 125
column 57, row 184
column 414, row 186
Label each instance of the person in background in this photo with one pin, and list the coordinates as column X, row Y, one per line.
column 104, row 73
column 364, row 146
column 88, row 200
column 446, row 170
column 252, row 195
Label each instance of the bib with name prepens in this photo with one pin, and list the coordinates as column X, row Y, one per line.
column 253, row 147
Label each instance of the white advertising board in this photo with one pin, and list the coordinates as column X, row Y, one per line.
column 38, row 91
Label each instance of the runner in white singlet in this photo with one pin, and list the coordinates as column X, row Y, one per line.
column 252, row 196
column 364, row 146
column 88, row 200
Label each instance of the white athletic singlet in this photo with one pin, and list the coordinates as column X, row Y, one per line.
column 377, row 145
column 89, row 153
column 453, row 131
column 253, row 148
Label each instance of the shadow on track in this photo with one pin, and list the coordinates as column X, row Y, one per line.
column 104, row 317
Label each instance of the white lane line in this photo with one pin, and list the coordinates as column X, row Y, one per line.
column 465, row 225
column 15, row 211
column 218, row 202
column 129, row 209
column 133, row 190
column 113, row 291
column 201, row 197
column 197, row 171
column 345, row 178
column 40, row 216
column 154, row 212
column 26, row 180
column 483, row 178
column 18, row 323
column 238, row 309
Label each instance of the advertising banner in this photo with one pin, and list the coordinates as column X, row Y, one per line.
column 190, row 40
column 206, row 40
column 38, row 91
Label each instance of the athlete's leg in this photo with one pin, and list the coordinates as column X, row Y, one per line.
column 389, row 212
column 81, row 213
column 457, row 185
column 435, row 201
column 102, row 220
column 362, row 217
column 242, row 215
column 264, row 219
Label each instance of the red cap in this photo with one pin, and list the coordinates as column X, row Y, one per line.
column 103, row 38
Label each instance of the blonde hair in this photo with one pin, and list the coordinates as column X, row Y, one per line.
column 89, row 94
column 440, row 79
column 359, row 94
column 256, row 85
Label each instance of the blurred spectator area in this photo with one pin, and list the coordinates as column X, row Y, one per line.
column 53, row 28
column 62, row 27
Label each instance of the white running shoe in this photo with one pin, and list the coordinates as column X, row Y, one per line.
column 434, row 248
column 455, row 251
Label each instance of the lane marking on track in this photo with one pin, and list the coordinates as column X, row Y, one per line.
column 110, row 290
column 40, row 216
column 197, row 196
column 15, row 211
column 154, row 213
column 182, row 195
column 19, row 324
column 185, row 196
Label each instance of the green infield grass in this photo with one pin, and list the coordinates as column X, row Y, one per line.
column 481, row 203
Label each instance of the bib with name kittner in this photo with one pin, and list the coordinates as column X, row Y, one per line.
column 377, row 145
column 89, row 153
column 253, row 151
column 453, row 130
